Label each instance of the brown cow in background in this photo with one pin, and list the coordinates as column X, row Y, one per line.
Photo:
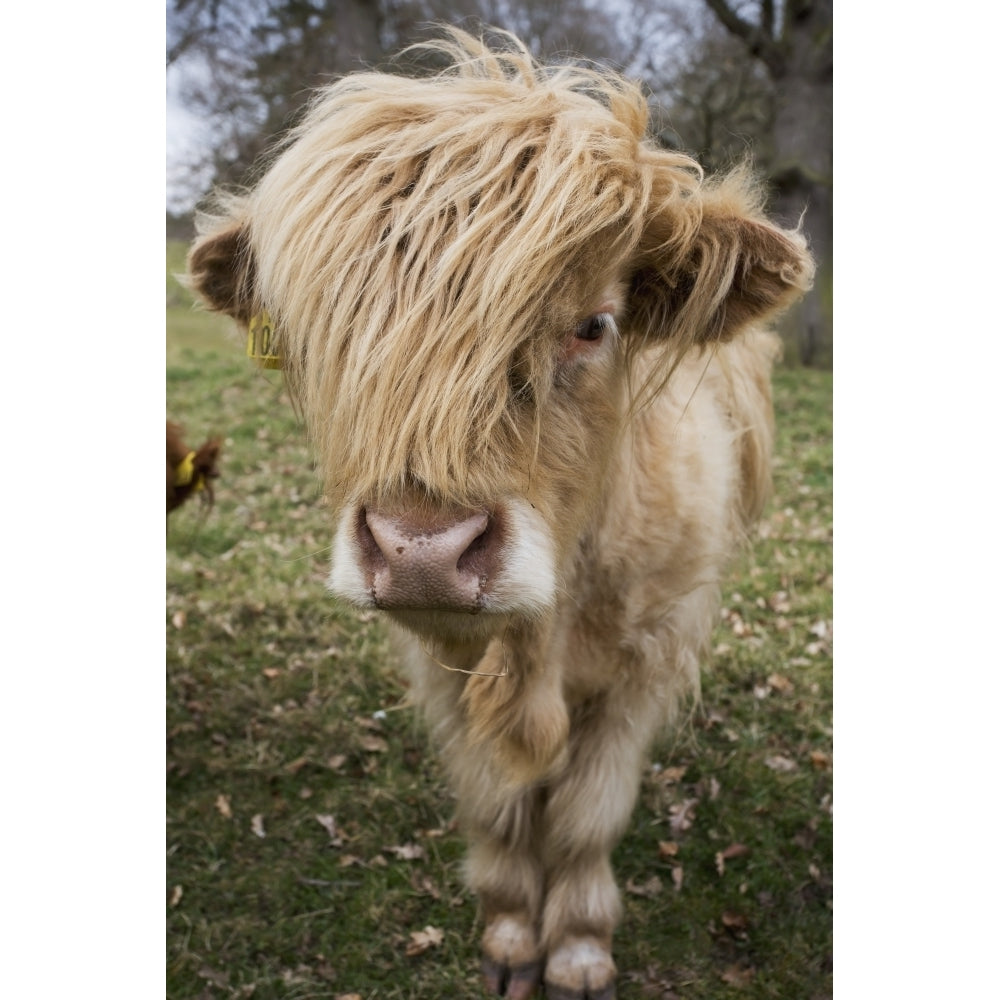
column 190, row 471
column 524, row 340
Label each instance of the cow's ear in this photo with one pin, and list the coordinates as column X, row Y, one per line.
column 221, row 270
column 730, row 268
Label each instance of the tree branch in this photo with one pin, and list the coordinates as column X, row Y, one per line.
column 767, row 18
column 761, row 44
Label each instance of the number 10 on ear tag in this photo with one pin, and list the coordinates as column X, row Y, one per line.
column 260, row 341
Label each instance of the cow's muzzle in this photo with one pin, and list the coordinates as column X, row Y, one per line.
column 443, row 561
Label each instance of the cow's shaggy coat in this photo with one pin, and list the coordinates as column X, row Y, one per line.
column 522, row 337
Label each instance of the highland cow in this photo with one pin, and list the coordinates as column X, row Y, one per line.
column 190, row 471
column 525, row 342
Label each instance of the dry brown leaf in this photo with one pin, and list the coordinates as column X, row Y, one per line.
column 348, row 996
column 176, row 894
column 649, row 889
column 328, row 823
column 271, row 672
column 406, row 852
column 780, row 603
column 735, row 976
column 373, row 744
column 667, row 849
column 819, row 760
column 781, row 764
column 420, row 941
column 220, row 979
column 337, row 761
column 677, row 876
column 820, row 629
column 734, row 851
column 670, row 775
column 257, row 825
column 222, row 804
column 179, row 619
column 682, row 815
column 781, row 684
column 426, row 885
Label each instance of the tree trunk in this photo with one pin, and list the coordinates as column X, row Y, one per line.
column 802, row 174
column 798, row 54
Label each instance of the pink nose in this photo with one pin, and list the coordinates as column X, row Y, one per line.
column 442, row 561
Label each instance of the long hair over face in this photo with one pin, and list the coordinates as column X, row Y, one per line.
column 419, row 244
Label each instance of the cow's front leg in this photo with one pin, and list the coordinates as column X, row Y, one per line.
column 506, row 874
column 586, row 813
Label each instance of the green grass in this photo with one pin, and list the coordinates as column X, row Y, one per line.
column 272, row 695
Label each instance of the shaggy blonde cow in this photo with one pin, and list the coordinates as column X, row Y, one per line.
column 523, row 340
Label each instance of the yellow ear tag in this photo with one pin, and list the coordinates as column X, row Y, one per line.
column 184, row 474
column 260, row 341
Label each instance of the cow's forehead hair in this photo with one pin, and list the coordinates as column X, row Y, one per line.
column 417, row 235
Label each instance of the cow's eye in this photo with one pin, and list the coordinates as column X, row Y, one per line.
column 594, row 327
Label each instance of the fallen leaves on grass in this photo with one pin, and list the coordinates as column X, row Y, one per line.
column 735, row 924
column 781, row 764
column 373, row 744
column 176, row 894
column 732, row 851
column 329, row 824
column 406, row 852
column 223, row 805
column 668, row 775
column 682, row 815
column 737, row 976
column 649, row 889
column 780, row 683
column 257, row 825
column 421, row 941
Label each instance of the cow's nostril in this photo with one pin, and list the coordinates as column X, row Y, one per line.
column 372, row 557
column 478, row 556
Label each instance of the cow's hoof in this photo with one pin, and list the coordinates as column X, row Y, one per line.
column 512, row 963
column 515, row 982
column 580, row 968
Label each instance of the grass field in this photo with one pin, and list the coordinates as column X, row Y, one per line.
column 310, row 845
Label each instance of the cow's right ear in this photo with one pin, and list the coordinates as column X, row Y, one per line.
column 221, row 270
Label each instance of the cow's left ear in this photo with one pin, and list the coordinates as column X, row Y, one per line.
column 221, row 269
column 732, row 269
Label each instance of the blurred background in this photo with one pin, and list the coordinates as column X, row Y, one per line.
column 726, row 79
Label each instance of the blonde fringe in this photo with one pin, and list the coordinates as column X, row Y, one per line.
column 463, row 200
